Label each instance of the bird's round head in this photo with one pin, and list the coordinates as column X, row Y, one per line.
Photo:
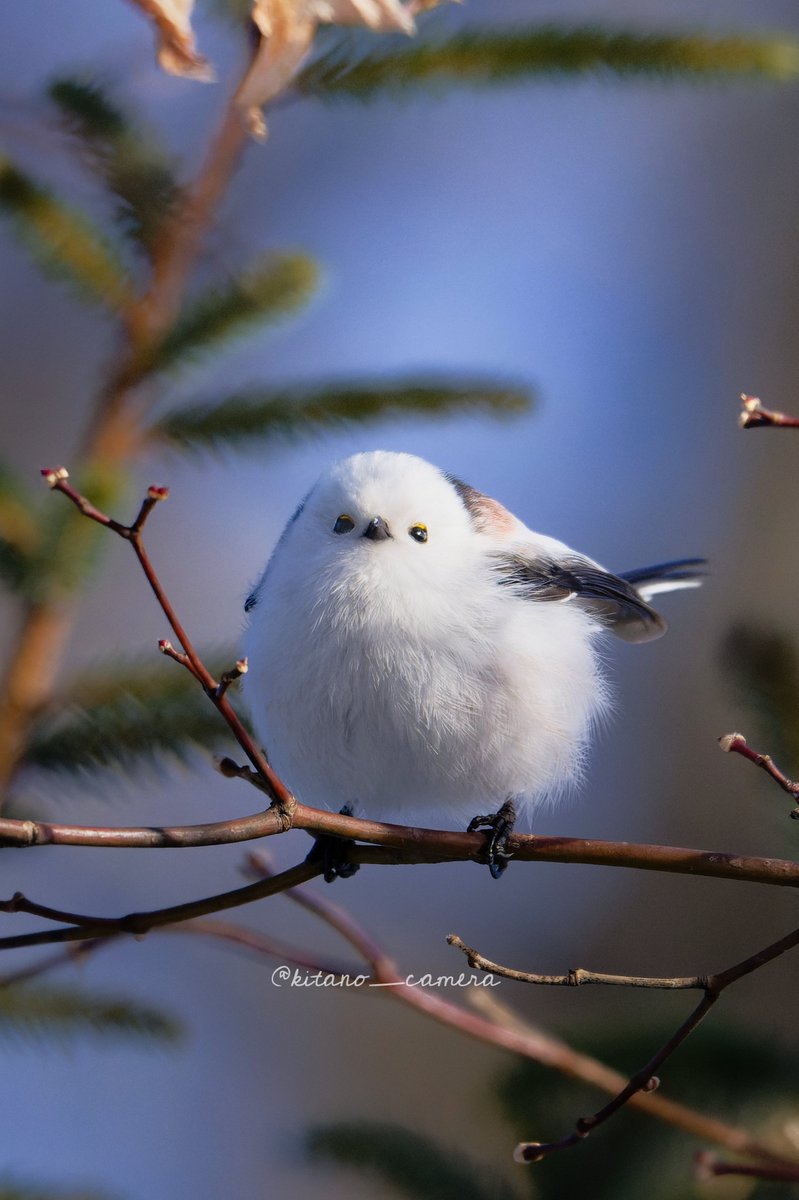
column 381, row 501
column 379, row 522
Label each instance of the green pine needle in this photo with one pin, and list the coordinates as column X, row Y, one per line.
column 129, row 162
column 412, row 1165
column 124, row 717
column 292, row 411
column 64, row 242
column 278, row 286
column 359, row 69
column 58, row 1012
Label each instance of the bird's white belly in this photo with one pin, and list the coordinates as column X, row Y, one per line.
column 448, row 723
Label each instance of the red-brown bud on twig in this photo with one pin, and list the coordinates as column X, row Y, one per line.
column 54, row 475
column 527, row 1152
column 157, row 493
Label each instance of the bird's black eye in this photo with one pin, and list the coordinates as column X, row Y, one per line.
column 418, row 533
column 343, row 524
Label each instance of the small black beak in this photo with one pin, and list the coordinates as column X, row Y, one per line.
column 376, row 530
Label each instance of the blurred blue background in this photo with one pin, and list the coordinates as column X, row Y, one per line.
column 629, row 249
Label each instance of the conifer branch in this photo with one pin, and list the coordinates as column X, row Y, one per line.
column 58, row 1012
column 274, row 289
column 64, row 242
column 283, row 412
column 482, row 57
column 132, row 166
column 124, row 734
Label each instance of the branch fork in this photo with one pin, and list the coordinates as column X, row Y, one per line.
column 735, row 743
column 754, row 415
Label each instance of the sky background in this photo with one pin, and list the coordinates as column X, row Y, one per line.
column 629, row 250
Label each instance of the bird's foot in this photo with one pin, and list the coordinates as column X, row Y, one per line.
column 332, row 852
column 499, row 826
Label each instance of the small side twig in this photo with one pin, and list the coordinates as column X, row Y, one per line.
column 80, row 927
column 57, row 479
column 735, row 743
column 755, row 415
column 576, row 977
column 646, row 1079
column 240, row 668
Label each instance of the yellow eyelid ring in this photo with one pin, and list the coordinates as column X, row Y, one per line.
column 344, row 524
column 418, row 532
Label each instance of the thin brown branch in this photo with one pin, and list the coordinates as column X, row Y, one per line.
column 735, row 743
column 58, row 481
column 755, row 415
column 81, row 927
column 646, row 1078
column 405, row 845
column 708, row 1166
column 576, row 977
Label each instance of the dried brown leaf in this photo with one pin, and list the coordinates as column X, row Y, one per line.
column 177, row 52
column 287, row 29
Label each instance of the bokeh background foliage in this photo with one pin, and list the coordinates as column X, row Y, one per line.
column 94, row 182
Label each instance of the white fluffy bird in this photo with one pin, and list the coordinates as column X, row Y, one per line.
column 414, row 648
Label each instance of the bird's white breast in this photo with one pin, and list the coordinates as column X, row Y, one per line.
column 394, row 697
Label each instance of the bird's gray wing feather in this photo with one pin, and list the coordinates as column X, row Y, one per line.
column 579, row 580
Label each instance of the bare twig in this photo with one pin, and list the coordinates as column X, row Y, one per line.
column 735, row 743
column 577, row 976
column 646, row 1079
column 708, row 1166
column 754, row 415
column 403, row 845
column 81, row 927
column 58, row 480
column 240, row 668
